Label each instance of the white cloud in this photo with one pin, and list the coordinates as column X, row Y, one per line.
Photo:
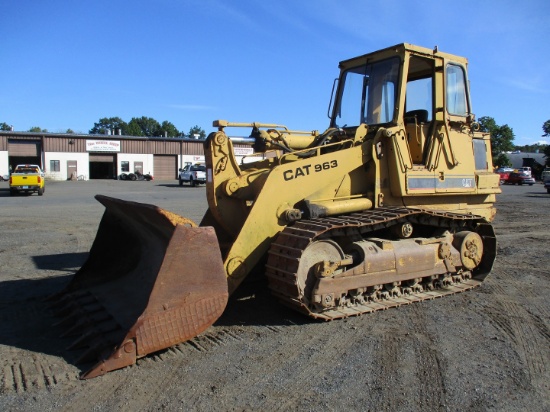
column 191, row 107
column 521, row 141
column 533, row 86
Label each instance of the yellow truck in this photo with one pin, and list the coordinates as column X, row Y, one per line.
column 27, row 179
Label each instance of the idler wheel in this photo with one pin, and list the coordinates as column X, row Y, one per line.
column 470, row 246
column 315, row 253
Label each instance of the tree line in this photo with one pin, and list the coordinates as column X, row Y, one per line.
column 137, row 126
column 502, row 138
column 143, row 126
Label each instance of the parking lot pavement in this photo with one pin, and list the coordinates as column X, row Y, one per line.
column 486, row 349
column 65, row 219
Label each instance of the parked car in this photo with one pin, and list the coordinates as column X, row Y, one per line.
column 520, row 179
column 545, row 175
column 547, row 185
column 526, row 170
column 27, row 179
column 194, row 174
column 504, row 173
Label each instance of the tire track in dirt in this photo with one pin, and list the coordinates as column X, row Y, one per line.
column 429, row 366
column 168, row 365
column 200, row 351
column 311, row 361
column 34, row 373
column 264, row 375
column 255, row 383
column 316, row 369
column 25, row 369
column 28, row 374
column 520, row 232
column 526, row 331
column 329, row 362
column 86, row 395
column 387, row 372
column 211, row 339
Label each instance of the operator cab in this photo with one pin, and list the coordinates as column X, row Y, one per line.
column 396, row 86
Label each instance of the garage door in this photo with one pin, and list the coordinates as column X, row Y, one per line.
column 102, row 166
column 165, row 167
column 107, row 158
column 24, row 148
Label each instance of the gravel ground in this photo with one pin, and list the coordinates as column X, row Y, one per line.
column 486, row 349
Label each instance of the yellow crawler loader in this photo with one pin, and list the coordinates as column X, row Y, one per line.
column 390, row 205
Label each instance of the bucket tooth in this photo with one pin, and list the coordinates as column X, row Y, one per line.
column 77, row 328
column 68, row 309
column 68, row 320
column 122, row 356
column 61, row 305
column 84, row 298
column 83, row 340
column 91, row 353
column 70, row 304
column 58, row 298
column 96, row 347
column 64, row 297
column 89, row 322
column 91, row 334
column 54, row 297
column 80, row 316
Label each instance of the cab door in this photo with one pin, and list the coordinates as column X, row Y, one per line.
column 418, row 121
column 453, row 156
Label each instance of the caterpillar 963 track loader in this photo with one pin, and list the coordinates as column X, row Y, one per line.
column 390, row 205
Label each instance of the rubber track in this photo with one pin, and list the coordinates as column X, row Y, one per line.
column 285, row 252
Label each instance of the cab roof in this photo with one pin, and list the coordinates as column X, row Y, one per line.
column 400, row 50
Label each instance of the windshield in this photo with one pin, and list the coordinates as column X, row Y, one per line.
column 367, row 94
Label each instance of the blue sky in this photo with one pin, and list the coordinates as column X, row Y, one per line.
column 66, row 64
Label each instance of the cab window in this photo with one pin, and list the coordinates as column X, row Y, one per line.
column 368, row 94
column 457, row 103
column 419, row 96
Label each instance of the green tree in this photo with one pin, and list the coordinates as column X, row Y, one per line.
column 531, row 148
column 197, row 130
column 36, row 129
column 110, row 123
column 169, row 129
column 547, row 155
column 546, row 130
column 502, row 160
column 5, row 127
column 501, row 136
column 144, row 126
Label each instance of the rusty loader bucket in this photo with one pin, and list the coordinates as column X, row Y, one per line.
column 152, row 280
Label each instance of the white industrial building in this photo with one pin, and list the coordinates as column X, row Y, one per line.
column 64, row 156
